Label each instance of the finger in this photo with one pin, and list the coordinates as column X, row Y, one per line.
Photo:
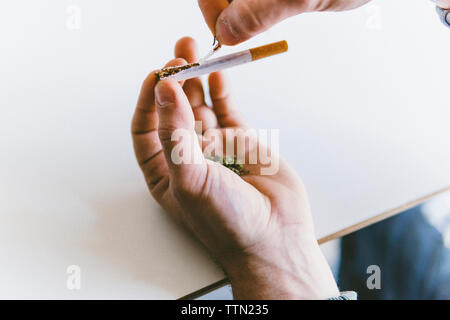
column 186, row 48
column 144, row 120
column 176, row 128
column 144, row 129
column 243, row 19
column 175, row 63
column 223, row 105
column 146, row 143
column 444, row 4
column 211, row 10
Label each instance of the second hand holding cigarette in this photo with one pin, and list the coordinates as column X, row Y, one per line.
column 198, row 69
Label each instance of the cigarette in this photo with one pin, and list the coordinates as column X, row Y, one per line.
column 195, row 70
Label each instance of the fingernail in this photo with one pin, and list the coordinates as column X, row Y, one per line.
column 225, row 32
column 164, row 95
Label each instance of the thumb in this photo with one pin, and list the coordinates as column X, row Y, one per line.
column 176, row 129
column 243, row 19
column 211, row 10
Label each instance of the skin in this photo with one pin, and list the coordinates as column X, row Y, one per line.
column 257, row 227
column 444, row 4
column 243, row 19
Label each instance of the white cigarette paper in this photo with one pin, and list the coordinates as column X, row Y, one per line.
column 198, row 69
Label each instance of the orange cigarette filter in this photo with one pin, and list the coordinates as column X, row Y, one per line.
column 269, row 50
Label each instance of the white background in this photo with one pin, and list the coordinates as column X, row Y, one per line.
column 361, row 101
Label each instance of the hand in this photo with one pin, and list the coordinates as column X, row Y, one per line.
column 243, row 19
column 257, row 227
column 444, row 4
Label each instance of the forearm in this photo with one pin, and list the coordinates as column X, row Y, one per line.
column 296, row 271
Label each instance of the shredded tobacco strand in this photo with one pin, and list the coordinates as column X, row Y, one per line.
column 167, row 72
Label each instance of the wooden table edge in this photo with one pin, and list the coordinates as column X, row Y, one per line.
column 333, row 236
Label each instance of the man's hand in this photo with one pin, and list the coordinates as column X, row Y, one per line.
column 243, row 19
column 257, row 227
column 444, row 4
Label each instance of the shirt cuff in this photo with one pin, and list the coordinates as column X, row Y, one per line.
column 444, row 15
column 346, row 295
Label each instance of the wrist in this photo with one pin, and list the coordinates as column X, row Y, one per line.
column 280, row 272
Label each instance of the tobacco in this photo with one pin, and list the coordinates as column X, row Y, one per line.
column 170, row 71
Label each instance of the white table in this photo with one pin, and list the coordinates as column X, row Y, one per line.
column 365, row 119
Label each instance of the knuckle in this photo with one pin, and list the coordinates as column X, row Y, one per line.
column 165, row 134
column 252, row 21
